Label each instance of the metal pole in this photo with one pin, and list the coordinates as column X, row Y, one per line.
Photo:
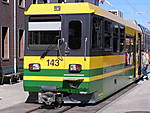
column 15, row 7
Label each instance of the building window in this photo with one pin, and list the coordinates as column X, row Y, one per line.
column 5, row 42
column 75, row 33
column 6, row 1
column 21, row 3
column 21, row 43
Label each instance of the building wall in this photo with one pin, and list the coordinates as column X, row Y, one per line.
column 7, row 20
column 21, row 26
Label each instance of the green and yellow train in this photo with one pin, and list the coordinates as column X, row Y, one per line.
column 79, row 53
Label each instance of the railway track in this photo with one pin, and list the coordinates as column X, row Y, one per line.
column 91, row 108
column 52, row 110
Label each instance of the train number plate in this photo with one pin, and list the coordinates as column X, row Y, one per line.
column 53, row 62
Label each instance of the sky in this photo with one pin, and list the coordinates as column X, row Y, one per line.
column 138, row 10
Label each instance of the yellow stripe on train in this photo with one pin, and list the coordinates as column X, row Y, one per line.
column 86, row 79
column 54, row 62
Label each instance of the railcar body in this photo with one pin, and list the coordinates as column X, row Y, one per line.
column 77, row 52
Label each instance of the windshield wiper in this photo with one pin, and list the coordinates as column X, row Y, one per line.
column 45, row 52
column 58, row 46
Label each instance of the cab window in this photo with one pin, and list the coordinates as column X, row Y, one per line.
column 75, row 31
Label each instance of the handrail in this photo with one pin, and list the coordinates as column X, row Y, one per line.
column 85, row 50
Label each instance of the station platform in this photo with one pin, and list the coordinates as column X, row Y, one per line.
column 12, row 94
column 136, row 100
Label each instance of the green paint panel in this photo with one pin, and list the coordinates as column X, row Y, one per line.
column 106, row 85
column 96, row 86
column 52, row 72
column 114, row 83
column 35, row 86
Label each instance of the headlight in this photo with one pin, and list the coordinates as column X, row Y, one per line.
column 34, row 67
column 75, row 68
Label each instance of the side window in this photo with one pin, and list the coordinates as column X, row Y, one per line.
column 129, row 40
column 148, row 42
column 44, row 1
column 79, row 0
column 48, row 1
column 122, row 38
column 116, row 30
column 75, row 33
column 122, row 31
column 115, row 44
column 115, row 38
column 107, row 35
column 143, row 42
column 60, row 1
column 96, row 33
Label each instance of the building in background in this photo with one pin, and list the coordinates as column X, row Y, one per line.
column 12, row 33
column 117, row 12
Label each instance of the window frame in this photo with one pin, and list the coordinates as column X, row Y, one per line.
column 19, row 50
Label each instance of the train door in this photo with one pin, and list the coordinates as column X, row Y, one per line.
column 75, row 32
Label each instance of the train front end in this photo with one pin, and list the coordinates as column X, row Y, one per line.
column 56, row 62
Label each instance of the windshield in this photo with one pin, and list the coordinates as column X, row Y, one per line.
column 44, row 31
column 43, row 38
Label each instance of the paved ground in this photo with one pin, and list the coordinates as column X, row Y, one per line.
column 137, row 100
column 11, row 95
